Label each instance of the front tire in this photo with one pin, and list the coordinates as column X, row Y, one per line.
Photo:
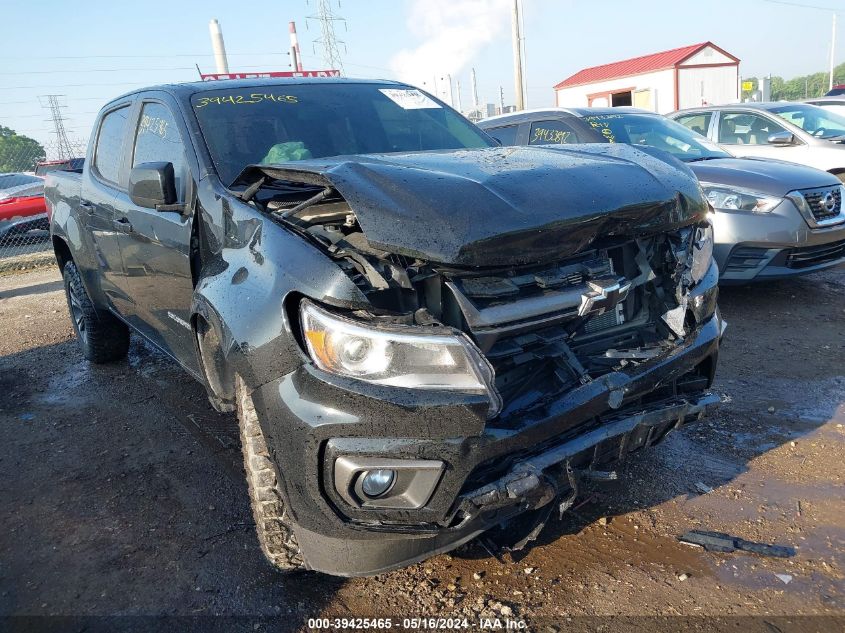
column 102, row 337
column 272, row 522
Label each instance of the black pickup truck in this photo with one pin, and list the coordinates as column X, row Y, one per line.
column 424, row 335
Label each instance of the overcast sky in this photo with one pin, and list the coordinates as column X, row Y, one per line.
column 92, row 50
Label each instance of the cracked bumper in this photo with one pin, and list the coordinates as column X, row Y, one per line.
column 311, row 419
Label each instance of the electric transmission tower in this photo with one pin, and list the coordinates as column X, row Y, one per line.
column 328, row 41
column 62, row 142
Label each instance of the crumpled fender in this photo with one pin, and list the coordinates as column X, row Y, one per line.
column 239, row 306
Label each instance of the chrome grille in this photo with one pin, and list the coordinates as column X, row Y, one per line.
column 824, row 203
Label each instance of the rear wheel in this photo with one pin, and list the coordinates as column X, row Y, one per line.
column 272, row 522
column 102, row 336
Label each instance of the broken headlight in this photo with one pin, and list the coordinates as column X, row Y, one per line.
column 737, row 199
column 413, row 357
column 702, row 252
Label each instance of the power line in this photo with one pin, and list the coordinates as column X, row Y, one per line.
column 137, row 56
column 802, row 6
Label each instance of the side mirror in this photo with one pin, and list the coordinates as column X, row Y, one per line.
column 153, row 186
column 781, row 138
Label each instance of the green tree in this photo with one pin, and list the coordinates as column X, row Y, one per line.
column 797, row 88
column 18, row 152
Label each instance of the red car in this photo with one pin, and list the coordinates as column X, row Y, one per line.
column 23, row 213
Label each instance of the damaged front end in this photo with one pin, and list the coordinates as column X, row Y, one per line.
column 504, row 385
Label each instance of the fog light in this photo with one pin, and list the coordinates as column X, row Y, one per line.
column 374, row 483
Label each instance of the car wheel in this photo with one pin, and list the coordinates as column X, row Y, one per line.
column 102, row 336
column 272, row 522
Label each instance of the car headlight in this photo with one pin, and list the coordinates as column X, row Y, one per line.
column 702, row 252
column 738, row 199
column 413, row 357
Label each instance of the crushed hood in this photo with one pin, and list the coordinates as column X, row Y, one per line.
column 504, row 205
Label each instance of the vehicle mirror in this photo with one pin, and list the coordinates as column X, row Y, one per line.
column 153, row 185
column 781, row 138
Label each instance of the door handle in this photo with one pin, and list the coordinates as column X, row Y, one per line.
column 86, row 206
column 122, row 225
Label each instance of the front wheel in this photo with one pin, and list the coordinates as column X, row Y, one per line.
column 102, row 336
column 272, row 522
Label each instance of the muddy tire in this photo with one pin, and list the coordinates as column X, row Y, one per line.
column 272, row 523
column 102, row 337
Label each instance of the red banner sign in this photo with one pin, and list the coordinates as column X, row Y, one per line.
column 275, row 73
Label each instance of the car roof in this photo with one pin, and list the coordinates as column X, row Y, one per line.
column 187, row 89
column 749, row 106
column 530, row 115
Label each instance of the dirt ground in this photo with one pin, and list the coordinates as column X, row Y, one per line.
column 122, row 494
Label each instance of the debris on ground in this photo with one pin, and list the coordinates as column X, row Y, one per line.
column 703, row 488
column 784, row 578
column 721, row 542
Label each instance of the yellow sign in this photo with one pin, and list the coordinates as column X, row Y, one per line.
column 748, row 85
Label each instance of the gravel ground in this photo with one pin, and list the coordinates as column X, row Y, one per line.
column 123, row 494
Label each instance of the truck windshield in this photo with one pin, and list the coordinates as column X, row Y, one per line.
column 278, row 123
column 654, row 131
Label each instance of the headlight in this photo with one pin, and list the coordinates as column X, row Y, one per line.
column 737, row 199
column 400, row 356
column 702, row 252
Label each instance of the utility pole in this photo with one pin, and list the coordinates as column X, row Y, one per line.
column 517, row 58
column 832, row 50
column 218, row 47
column 328, row 40
column 474, row 89
column 295, row 57
column 62, row 142
column 501, row 100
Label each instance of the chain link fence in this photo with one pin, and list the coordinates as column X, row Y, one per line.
column 24, row 228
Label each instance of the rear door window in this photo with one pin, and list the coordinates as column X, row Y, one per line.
column 552, row 132
column 506, row 134
column 698, row 122
column 108, row 154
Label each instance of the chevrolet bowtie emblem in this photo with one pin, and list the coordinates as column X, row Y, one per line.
column 603, row 294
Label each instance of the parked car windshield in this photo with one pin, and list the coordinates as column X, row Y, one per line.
column 289, row 122
column 817, row 121
column 654, row 131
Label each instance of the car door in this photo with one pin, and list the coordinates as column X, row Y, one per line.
column 156, row 245
column 100, row 188
column 744, row 133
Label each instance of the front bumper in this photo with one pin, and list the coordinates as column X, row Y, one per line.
column 757, row 247
column 311, row 418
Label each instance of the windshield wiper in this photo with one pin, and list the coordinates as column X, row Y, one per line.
column 695, row 160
